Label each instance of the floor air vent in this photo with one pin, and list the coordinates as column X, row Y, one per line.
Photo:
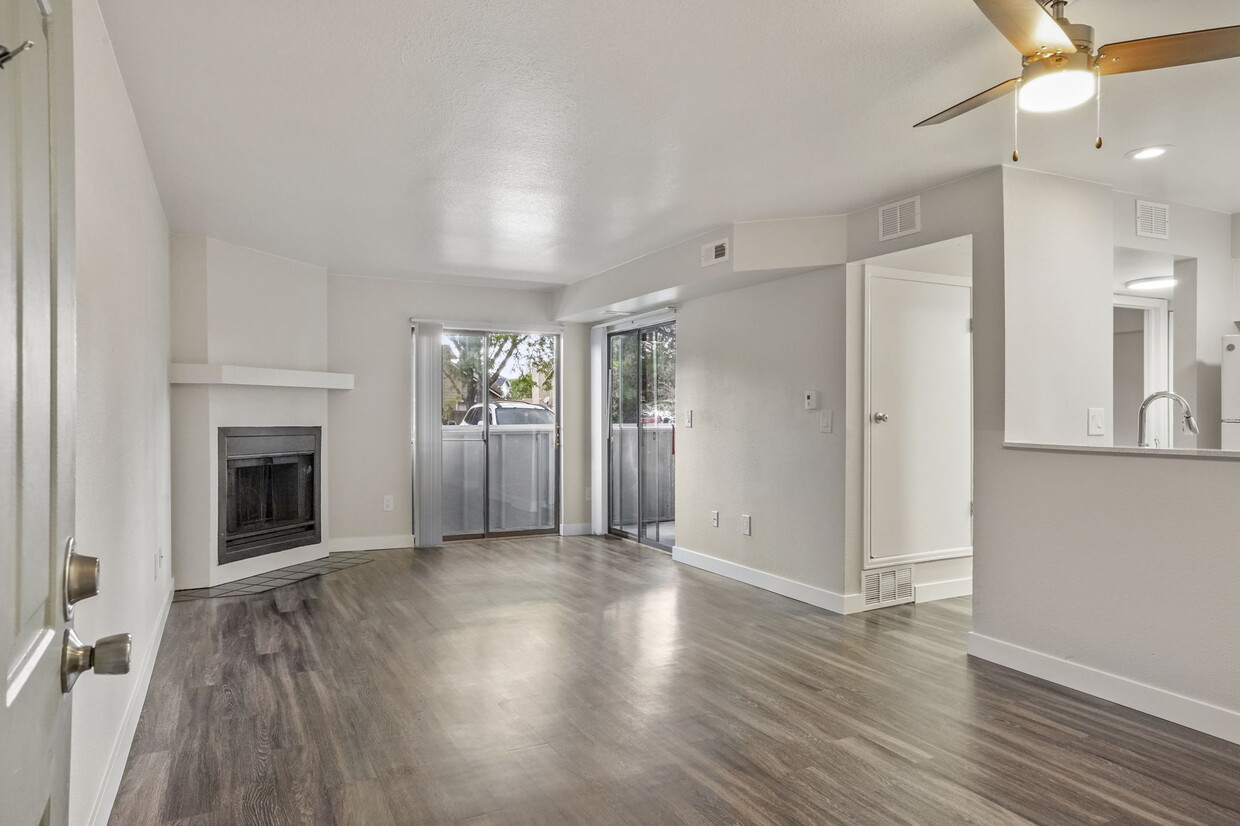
column 890, row 586
column 899, row 219
column 1153, row 220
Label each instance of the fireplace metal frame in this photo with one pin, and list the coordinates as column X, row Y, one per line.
column 298, row 540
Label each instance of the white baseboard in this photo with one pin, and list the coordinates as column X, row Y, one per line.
column 1195, row 714
column 820, row 597
column 948, row 588
column 115, row 769
column 576, row 529
column 369, row 543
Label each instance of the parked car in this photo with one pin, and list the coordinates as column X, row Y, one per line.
column 502, row 413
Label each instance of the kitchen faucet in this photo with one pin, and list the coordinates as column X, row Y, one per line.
column 1189, row 421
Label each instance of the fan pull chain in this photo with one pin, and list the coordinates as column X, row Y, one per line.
column 1098, row 96
column 1016, row 125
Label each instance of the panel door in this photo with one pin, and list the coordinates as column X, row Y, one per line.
column 920, row 418
column 36, row 390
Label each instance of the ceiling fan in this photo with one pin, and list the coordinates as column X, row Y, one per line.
column 1060, row 67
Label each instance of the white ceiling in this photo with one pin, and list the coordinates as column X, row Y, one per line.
column 542, row 142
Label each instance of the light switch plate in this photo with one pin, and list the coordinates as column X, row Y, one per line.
column 812, row 399
column 714, row 519
column 389, row 502
column 826, row 421
column 1097, row 421
column 746, row 525
column 688, row 418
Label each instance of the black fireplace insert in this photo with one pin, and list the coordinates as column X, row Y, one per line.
column 269, row 490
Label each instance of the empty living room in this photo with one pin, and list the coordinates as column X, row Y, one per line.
column 619, row 413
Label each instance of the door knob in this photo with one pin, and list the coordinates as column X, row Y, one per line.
column 81, row 577
column 109, row 655
column 879, row 418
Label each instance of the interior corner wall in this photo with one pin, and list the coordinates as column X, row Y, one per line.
column 744, row 361
column 1060, row 259
column 369, row 335
column 122, row 432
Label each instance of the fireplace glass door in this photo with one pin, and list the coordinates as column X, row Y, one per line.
column 269, row 490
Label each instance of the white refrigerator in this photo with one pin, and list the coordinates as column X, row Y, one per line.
column 1231, row 393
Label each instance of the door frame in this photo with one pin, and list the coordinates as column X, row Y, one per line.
column 868, row 561
column 600, row 388
column 1159, row 371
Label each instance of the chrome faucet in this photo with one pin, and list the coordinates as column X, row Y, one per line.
column 1189, row 421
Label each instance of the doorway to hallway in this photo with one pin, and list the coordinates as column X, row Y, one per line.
column 641, row 440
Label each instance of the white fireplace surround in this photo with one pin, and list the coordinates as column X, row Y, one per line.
column 249, row 350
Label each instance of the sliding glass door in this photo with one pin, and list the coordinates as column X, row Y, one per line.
column 642, row 437
column 500, row 434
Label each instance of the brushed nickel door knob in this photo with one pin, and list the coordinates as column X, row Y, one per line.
column 81, row 577
column 880, row 418
column 110, row 655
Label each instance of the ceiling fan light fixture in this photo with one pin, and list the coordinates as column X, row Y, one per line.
column 1057, row 83
column 1158, row 282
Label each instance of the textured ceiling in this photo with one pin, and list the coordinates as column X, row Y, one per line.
column 547, row 141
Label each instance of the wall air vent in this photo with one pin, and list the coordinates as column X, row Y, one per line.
column 1153, row 220
column 890, row 586
column 717, row 251
column 899, row 219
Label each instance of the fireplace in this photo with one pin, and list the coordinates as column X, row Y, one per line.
column 269, row 490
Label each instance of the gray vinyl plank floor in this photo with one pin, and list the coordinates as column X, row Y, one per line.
column 588, row 680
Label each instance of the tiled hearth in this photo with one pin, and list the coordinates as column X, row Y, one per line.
column 277, row 578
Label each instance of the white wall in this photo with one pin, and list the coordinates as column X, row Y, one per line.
column 1059, row 265
column 122, row 490
column 233, row 305
column 744, row 360
column 575, row 427
column 369, row 336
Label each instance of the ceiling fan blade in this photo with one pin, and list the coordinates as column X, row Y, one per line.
column 993, row 93
column 1028, row 25
column 1169, row 50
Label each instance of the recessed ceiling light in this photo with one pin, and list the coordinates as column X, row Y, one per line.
column 1145, row 153
column 1158, row 282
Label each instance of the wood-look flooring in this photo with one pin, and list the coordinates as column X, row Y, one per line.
column 587, row 680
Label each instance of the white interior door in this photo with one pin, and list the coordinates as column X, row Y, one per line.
column 36, row 477
column 919, row 426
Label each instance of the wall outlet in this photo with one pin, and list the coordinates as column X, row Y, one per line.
column 389, row 502
column 746, row 525
column 714, row 519
column 826, row 421
column 1097, row 421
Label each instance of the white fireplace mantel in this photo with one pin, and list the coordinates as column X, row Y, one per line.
column 257, row 376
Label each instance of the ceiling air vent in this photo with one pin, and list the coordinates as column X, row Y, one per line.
column 899, row 219
column 1153, row 220
column 890, row 586
column 716, row 252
